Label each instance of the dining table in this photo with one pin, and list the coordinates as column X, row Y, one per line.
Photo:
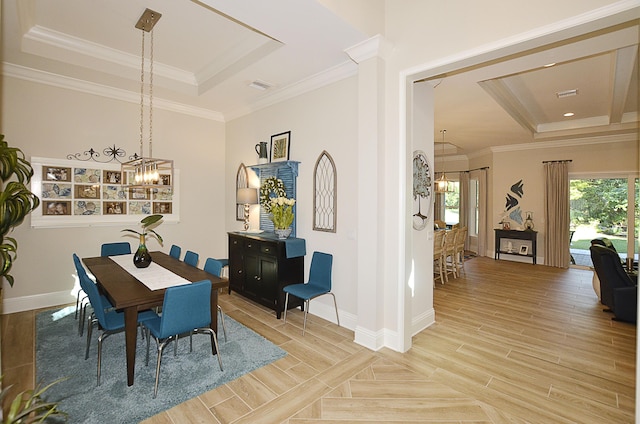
column 130, row 295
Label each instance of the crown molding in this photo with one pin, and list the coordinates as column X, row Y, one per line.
column 575, row 142
column 47, row 78
column 376, row 46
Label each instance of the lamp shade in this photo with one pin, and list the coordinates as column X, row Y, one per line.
column 246, row 196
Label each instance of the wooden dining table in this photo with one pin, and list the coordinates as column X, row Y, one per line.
column 128, row 294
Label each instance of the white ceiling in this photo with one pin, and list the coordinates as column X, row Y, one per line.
column 208, row 52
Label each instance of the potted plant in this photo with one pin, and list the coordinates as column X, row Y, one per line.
column 142, row 257
column 282, row 215
column 16, row 201
column 29, row 406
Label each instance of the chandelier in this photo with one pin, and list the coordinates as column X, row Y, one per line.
column 147, row 171
column 442, row 184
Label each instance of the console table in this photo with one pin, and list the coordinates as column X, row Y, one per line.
column 518, row 239
column 260, row 265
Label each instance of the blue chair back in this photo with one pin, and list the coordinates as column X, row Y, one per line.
column 95, row 299
column 79, row 268
column 185, row 307
column 175, row 251
column 191, row 258
column 320, row 272
column 114, row 249
column 213, row 266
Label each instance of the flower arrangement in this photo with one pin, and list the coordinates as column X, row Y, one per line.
column 282, row 212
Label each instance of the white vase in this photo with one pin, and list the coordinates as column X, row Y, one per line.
column 282, row 234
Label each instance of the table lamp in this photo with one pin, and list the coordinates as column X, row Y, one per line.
column 246, row 197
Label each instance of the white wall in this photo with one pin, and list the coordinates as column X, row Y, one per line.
column 324, row 119
column 52, row 122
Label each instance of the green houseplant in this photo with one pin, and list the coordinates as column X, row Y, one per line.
column 16, row 201
column 30, row 407
column 142, row 258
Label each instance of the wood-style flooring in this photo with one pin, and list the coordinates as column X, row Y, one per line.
column 512, row 343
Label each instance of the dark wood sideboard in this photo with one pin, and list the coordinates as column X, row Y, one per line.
column 518, row 239
column 260, row 265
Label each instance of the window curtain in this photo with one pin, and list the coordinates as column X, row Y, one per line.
column 481, row 176
column 463, row 206
column 438, row 201
column 556, row 213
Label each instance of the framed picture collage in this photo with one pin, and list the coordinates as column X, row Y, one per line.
column 76, row 193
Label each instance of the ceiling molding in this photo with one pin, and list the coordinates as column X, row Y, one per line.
column 41, row 77
column 376, row 46
column 576, row 142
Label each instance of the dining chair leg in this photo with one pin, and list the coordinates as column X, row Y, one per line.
column 286, row 303
column 224, row 327
column 306, row 310
column 336, row 305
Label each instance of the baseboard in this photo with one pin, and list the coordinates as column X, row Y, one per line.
column 27, row 303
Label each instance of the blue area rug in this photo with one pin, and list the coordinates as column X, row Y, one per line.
column 60, row 353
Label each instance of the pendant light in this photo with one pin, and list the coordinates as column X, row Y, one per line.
column 442, row 184
column 147, row 171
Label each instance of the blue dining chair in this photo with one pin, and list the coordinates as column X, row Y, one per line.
column 175, row 251
column 214, row 266
column 107, row 320
column 115, row 249
column 319, row 284
column 186, row 308
column 82, row 304
column 191, row 258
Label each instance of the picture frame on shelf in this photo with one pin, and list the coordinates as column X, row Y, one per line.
column 524, row 250
column 280, row 146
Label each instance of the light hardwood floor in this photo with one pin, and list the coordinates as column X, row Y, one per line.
column 512, row 343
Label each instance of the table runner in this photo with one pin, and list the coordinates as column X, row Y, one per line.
column 155, row 277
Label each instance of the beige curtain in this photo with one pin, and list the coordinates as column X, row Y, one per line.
column 482, row 176
column 463, row 206
column 438, row 202
column 556, row 211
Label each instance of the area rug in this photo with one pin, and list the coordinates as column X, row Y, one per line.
column 60, row 353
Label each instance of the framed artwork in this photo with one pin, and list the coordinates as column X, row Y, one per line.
column 87, row 192
column 86, row 175
column 139, row 194
column 55, row 173
column 422, row 190
column 56, row 191
column 83, row 207
column 57, row 208
column 113, row 177
column 162, row 207
column 110, row 192
column 280, row 145
column 524, row 249
column 165, row 179
column 115, row 208
column 140, row 208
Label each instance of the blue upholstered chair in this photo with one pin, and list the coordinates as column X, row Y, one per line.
column 186, row 309
column 108, row 320
column 115, row 249
column 175, row 251
column 214, row 266
column 191, row 258
column 319, row 284
column 82, row 304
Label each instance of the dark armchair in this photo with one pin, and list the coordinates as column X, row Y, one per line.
column 617, row 290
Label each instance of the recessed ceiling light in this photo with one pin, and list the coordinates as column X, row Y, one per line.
column 568, row 114
column 549, row 65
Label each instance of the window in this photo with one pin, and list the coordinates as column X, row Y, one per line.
column 452, row 203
